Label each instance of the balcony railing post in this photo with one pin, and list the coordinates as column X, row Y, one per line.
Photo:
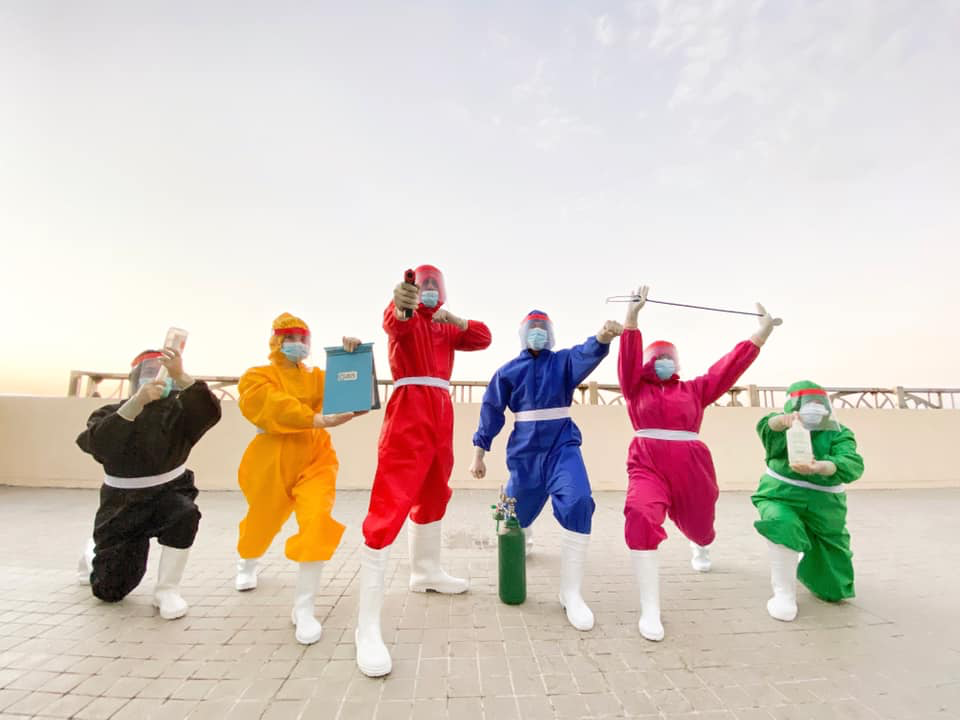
column 901, row 397
column 754, row 395
column 594, row 393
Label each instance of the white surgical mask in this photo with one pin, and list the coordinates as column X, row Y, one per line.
column 812, row 415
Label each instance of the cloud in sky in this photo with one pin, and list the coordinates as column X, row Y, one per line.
column 604, row 30
column 212, row 167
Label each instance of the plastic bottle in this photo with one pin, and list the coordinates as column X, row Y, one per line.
column 176, row 339
column 799, row 445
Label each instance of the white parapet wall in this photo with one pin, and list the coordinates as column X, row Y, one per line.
column 902, row 448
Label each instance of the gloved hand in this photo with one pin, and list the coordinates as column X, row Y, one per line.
column 478, row 468
column 633, row 309
column 329, row 421
column 609, row 331
column 817, row 467
column 148, row 393
column 405, row 297
column 445, row 316
column 767, row 324
column 351, row 343
column 173, row 362
column 779, row 423
column 823, row 467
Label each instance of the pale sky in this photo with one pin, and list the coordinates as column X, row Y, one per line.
column 212, row 164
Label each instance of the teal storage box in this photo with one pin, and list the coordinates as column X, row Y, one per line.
column 351, row 380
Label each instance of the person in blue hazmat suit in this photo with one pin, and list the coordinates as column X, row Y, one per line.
column 543, row 452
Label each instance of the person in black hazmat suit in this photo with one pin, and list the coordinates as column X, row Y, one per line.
column 143, row 445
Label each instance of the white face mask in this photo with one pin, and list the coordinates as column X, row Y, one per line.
column 812, row 415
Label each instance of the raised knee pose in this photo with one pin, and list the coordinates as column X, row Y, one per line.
column 543, row 452
column 415, row 452
column 290, row 466
column 670, row 469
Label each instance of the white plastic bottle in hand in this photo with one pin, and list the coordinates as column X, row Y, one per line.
column 176, row 340
column 799, row 445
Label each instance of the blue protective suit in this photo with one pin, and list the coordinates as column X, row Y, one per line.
column 543, row 456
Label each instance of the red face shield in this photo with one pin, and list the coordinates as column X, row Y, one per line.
column 661, row 348
column 430, row 281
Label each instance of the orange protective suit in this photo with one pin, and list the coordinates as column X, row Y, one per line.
column 290, row 466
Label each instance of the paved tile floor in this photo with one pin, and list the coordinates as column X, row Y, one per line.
column 894, row 652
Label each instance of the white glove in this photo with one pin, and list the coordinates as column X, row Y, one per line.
column 767, row 324
column 351, row 343
column 405, row 297
column 823, row 467
column 478, row 468
column 779, row 423
column 817, row 467
column 633, row 309
column 148, row 393
column 446, row 317
column 329, row 421
column 609, row 331
column 173, row 362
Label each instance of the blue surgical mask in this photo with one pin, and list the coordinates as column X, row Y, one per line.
column 430, row 298
column 295, row 351
column 665, row 368
column 537, row 338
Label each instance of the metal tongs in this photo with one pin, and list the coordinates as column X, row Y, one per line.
column 635, row 298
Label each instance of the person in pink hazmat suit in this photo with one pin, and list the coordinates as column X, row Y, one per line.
column 670, row 470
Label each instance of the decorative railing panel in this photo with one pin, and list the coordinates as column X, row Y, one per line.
column 114, row 386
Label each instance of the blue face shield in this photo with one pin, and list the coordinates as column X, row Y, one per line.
column 665, row 368
column 430, row 298
column 295, row 351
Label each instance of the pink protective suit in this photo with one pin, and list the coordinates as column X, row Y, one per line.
column 674, row 477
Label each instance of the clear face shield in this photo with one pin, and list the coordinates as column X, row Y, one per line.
column 815, row 413
column 147, row 368
column 536, row 332
column 665, row 358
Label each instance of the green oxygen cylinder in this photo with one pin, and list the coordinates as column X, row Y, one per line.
column 511, row 551
column 513, row 563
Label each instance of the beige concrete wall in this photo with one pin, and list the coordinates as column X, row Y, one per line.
column 906, row 448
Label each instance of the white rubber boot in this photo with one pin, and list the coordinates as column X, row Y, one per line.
column 573, row 554
column 425, row 571
column 308, row 627
column 783, row 578
column 700, row 557
column 373, row 658
column 85, row 566
column 528, row 538
column 166, row 596
column 247, row 571
column 646, row 568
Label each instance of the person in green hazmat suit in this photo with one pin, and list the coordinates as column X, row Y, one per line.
column 803, row 507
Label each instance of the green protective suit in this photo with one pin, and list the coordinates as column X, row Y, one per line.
column 807, row 520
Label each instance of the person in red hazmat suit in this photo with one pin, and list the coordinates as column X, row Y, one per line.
column 415, row 452
column 670, row 470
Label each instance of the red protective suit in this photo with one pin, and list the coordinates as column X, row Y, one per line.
column 415, row 453
column 670, row 476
